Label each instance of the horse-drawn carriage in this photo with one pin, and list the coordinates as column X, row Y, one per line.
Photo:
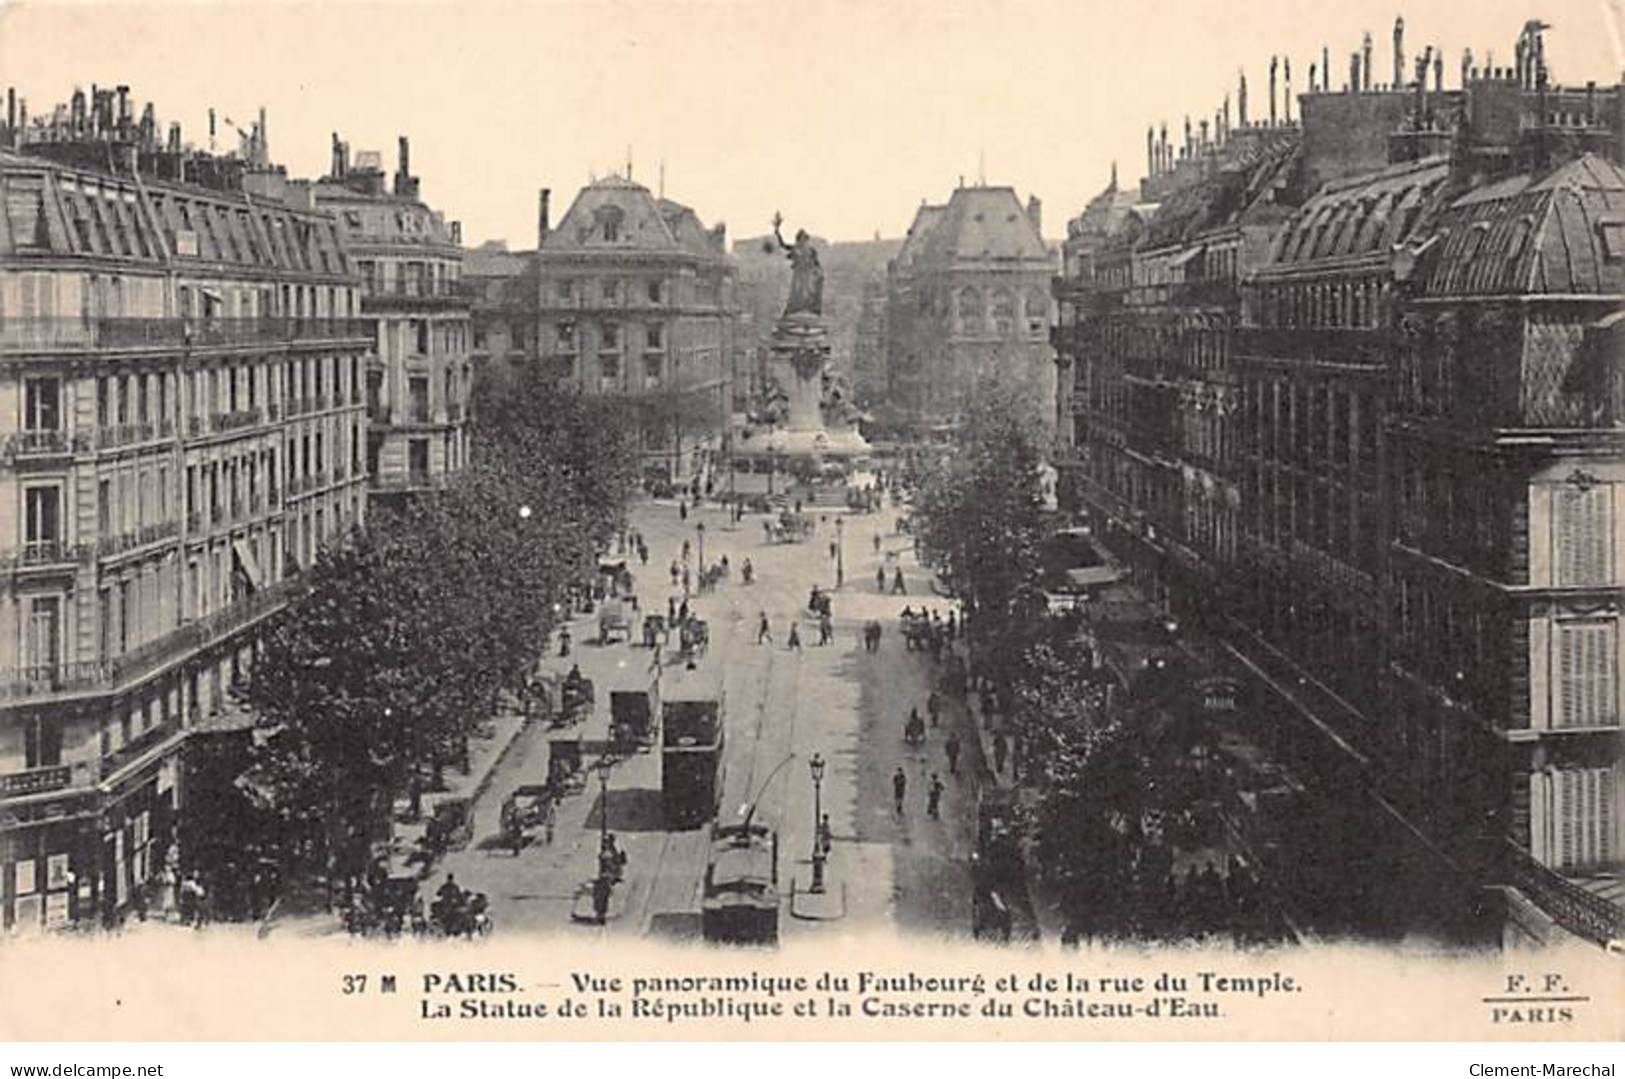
column 632, row 720
column 576, row 699
column 790, row 528
column 566, row 772
column 615, row 618
column 694, row 637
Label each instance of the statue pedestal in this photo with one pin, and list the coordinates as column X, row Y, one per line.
column 800, row 353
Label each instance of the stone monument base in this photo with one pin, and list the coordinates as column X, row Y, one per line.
column 788, row 443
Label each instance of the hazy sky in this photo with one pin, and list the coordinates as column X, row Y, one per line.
column 842, row 114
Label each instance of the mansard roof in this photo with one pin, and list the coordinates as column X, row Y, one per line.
column 1557, row 233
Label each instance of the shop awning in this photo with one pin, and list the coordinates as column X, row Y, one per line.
column 251, row 566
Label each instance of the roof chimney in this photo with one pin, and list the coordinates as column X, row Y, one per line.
column 1241, row 100
column 11, row 108
column 1399, row 52
column 403, row 170
column 1035, row 210
column 1286, row 98
column 542, row 224
column 1275, row 62
column 1365, row 62
column 1151, row 151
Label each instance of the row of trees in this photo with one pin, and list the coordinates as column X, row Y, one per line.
column 980, row 524
column 405, row 635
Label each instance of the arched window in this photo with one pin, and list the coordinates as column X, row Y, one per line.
column 1004, row 311
column 1037, row 312
column 968, row 310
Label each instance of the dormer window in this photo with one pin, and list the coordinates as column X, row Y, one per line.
column 1613, row 239
column 607, row 221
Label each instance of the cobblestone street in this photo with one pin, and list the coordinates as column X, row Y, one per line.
column 838, row 701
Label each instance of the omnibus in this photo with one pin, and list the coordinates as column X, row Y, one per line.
column 692, row 730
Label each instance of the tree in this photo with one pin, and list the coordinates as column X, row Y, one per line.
column 978, row 519
column 402, row 637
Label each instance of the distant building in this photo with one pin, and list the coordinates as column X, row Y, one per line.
column 968, row 296
column 1347, row 386
column 180, row 432
column 410, row 262
column 635, row 300
column 501, row 290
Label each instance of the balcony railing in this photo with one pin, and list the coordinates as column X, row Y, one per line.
column 409, row 482
column 273, row 411
column 140, row 744
column 1316, row 345
column 35, row 780
column 112, row 674
column 53, row 443
column 237, row 420
column 48, row 553
column 1583, row 913
column 125, row 434
column 40, row 334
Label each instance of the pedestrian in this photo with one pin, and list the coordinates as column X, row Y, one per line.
column 877, row 543
column 763, row 631
column 826, row 631
column 686, row 580
column 798, row 507
column 682, row 612
column 549, row 819
column 685, row 551
column 933, row 706
column 933, row 797
column 1000, row 751
column 952, row 629
column 643, row 552
column 795, row 637
column 564, row 641
column 897, row 588
column 682, row 509
column 899, row 788
column 676, row 572
column 880, row 579
column 832, row 550
column 671, row 610
column 747, row 572
column 952, row 749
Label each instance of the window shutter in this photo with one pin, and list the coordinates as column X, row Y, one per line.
column 1567, row 815
column 1584, row 535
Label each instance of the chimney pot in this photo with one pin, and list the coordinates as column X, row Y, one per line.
column 542, row 209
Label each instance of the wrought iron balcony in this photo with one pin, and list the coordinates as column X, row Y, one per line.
column 35, row 780
column 107, row 675
column 21, row 335
column 237, row 420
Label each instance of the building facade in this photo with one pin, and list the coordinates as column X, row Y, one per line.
column 410, row 263
column 181, row 366
column 968, row 297
column 501, row 290
column 635, row 300
column 1366, row 422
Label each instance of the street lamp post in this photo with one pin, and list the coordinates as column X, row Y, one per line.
column 816, row 766
column 840, row 551
column 699, row 530
column 604, row 766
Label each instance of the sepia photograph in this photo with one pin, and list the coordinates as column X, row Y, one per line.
column 673, row 505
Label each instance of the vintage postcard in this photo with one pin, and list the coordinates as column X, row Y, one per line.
column 706, row 519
